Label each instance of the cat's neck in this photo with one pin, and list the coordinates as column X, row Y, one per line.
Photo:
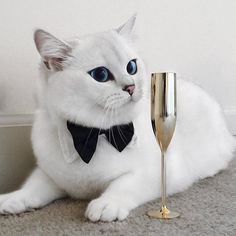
column 104, row 119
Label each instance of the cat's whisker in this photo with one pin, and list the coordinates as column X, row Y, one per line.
column 101, row 117
column 109, row 120
column 101, row 121
column 112, row 112
column 121, row 130
column 98, row 101
column 104, row 123
column 106, row 112
column 118, row 128
column 112, row 99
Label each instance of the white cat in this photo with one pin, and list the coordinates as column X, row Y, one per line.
column 116, row 93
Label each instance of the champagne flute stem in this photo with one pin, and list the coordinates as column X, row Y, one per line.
column 163, row 180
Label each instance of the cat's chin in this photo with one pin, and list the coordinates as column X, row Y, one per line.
column 99, row 116
column 123, row 115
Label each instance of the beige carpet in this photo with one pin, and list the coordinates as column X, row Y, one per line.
column 208, row 208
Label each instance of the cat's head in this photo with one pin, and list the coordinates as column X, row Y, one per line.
column 94, row 80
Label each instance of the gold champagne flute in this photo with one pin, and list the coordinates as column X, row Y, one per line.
column 163, row 115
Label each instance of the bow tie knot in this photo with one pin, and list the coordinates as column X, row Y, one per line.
column 102, row 131
column 85, row 138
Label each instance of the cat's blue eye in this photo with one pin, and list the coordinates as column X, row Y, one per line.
column 132, row 67
column 101, row 74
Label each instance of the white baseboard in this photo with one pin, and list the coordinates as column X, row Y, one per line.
column 8, row 120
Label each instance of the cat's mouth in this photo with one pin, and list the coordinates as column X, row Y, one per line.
column 117, row 103
column 120, row 102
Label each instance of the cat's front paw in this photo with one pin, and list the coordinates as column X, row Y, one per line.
column 106, row 210
column 12, row 206
column 17, row 202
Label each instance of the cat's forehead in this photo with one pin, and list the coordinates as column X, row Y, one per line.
column 102, row 49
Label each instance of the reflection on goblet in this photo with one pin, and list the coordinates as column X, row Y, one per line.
column 163, row 115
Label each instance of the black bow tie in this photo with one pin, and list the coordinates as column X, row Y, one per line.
column 85, row 138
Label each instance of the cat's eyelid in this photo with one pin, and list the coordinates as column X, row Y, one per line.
column 135, row 59
column 94, row 68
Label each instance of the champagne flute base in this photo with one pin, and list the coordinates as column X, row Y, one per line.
column 163, row 213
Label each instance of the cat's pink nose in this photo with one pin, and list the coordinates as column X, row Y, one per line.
column 129, row 89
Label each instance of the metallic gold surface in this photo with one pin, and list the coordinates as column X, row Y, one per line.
column 163, row 107
column 163, row 213
column 163, row 115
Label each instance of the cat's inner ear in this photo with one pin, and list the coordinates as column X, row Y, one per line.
column 127, row 29
column 53, row 51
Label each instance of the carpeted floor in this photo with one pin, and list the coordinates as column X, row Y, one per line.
column 208, row 208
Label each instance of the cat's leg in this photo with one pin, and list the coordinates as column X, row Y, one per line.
column 123, row 194
column 38, row 191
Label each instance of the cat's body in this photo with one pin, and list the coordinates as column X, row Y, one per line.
column 120, row 181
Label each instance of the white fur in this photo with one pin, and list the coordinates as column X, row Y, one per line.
column 119, row 182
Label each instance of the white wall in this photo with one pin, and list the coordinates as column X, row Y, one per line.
column 196, row 38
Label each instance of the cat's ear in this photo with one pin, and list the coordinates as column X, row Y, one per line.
column 127, row 29
column 53, row 51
